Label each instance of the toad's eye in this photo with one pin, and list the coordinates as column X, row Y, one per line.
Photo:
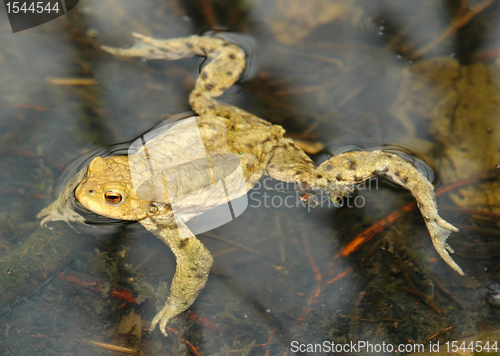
column 112, row 197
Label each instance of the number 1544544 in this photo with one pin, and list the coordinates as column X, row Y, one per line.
column 15, row 7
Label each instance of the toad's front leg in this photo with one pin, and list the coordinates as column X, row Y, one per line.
column 339, row 174
column 193, row 266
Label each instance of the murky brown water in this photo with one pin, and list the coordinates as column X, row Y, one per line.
column 328, row 71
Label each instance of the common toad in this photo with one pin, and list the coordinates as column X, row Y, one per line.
column 107, row 188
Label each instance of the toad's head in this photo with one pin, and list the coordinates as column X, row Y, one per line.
column 107, row 190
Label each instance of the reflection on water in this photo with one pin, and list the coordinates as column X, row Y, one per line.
column 279, row 275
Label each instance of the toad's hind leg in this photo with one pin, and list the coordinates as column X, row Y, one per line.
column 338, row 176
column 355, row 167
column 226, row 64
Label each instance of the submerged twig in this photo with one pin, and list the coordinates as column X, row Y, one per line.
column 232, row 243
column 457, row 23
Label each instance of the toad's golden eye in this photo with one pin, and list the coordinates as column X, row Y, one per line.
column 112, row 197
